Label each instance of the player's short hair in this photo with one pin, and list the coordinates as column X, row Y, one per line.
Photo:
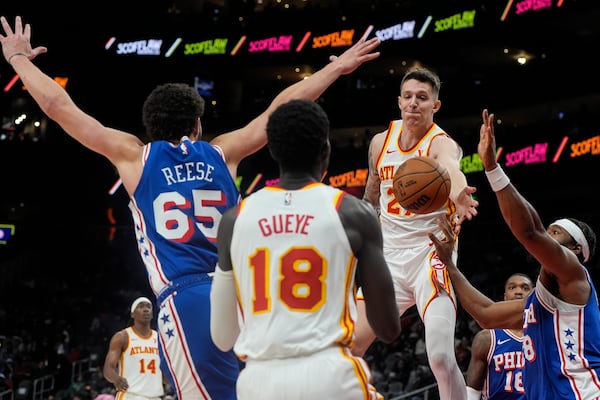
column 521, row 275
column 298, row 134
column 426, row 76
column 171, row 111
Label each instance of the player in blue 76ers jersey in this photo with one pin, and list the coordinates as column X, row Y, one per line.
column 561, row 333
column 496, row 366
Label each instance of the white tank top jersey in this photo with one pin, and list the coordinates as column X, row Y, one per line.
column 140, row 365
column 294, row 271
column 402, row 228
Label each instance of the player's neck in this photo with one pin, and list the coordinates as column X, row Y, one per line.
column 411, row 134
column 517, row 332
column 142, row 330
column 296, row 180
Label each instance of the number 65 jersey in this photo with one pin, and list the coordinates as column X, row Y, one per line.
column 183, row 192
column 294, row 270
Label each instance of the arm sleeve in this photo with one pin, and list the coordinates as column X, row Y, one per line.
column 224, row 327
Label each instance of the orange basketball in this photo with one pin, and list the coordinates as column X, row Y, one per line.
column 421, row 185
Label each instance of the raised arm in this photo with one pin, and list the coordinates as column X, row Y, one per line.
column 242, row 142
column 119, row 147
column 525, row 223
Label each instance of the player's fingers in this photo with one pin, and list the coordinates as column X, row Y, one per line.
column 18, row 26
column 6, row 26
column 27, row 31
column 38, row 50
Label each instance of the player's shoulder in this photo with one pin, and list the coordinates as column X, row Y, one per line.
column 483, row 336
column 481, row 342
column 356, row 208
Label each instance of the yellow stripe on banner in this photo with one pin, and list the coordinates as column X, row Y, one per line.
column 253, row 184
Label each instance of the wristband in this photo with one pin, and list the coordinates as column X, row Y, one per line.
column 497, row 178
column 473, row 394
column 18, row 53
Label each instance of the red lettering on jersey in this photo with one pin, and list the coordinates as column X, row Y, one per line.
column 285, row 223
column 386, row 172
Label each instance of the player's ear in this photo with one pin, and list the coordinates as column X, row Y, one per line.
column 437, row 105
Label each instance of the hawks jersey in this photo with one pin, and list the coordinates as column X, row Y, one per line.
column 140, row 365
column 177, row 207
column 504, row 380
column 561, row 347
column 294, row 270
column 397, row 233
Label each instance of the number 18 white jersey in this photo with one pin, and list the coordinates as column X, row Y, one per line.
column 294, row 271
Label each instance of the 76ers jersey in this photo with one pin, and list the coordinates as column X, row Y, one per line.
column 561, row 347
column 177, row 207
column 294, row 270
column 140, row 365
column 398, row 233
column 504, row 380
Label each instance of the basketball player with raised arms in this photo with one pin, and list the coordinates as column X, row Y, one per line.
column 559, row 318
column 179, row 186
column 419, row 277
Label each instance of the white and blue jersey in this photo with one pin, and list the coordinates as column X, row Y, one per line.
column 504, row 380
column 182, row 194
column 561, row 347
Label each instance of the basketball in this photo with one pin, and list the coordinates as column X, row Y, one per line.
column 421, row 185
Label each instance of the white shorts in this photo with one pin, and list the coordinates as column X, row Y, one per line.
column 329, row 374
column 419, row 277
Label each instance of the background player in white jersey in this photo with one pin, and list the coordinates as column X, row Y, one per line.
column 179, row 187
column 561, row 345
column 496, row 366
column 291, row 253
column 132, row 362
column 419, row 277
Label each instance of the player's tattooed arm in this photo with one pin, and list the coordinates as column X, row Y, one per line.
column 371, row 193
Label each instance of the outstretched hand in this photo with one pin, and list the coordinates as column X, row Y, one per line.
column 18, row 42
column 445, row 246
column 356, row 55
column 487, row 141
column 466, row 206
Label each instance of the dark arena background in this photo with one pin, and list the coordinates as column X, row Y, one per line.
column 68, row 260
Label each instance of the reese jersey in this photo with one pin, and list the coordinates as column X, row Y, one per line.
column 176, row 237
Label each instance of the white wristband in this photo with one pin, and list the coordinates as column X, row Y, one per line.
column 473, row 394
column 497, row 178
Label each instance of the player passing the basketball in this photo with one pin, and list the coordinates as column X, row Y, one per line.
column 419, row 277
